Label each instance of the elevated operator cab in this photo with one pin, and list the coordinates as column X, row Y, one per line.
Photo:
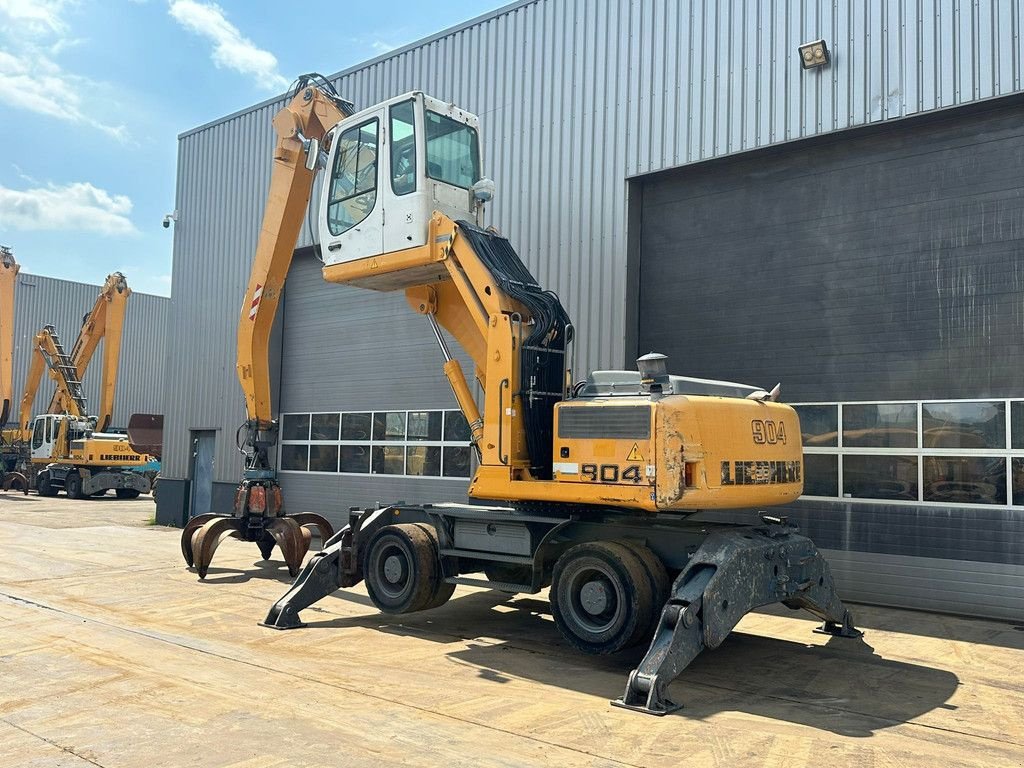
column 389, row 168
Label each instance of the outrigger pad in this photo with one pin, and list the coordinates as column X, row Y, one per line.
column 734, row 571
column 323, row 575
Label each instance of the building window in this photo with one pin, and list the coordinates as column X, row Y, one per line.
column 950, row 452
column 404, row 443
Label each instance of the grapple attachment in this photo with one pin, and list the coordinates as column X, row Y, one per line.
column 258, row 517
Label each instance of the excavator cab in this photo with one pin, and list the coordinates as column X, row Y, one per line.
column 399, row 162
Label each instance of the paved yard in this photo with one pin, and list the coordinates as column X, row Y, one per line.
column 113, row 654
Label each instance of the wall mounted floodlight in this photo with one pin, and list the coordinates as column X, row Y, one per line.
column 814, row 54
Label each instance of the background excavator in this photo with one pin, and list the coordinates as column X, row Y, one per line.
column 66, row 448
column 589, row 487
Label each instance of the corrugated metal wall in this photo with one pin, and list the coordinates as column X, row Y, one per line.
column 140, row 384
column 575, row 96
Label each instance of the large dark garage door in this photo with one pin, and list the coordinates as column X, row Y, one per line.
column 884, row 264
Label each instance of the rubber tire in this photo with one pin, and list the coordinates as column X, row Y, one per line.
column 443, row 591
column 622, row 567
column 43, row 485
column 126, row 493
column 418, row 551
column 73, row 485
column 661, row 584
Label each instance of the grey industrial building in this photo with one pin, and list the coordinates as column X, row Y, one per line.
column 674, row 173
column 43, row 301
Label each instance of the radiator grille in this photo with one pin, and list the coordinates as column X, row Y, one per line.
column 631, row 422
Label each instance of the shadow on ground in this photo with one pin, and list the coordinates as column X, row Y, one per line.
column 843, row 687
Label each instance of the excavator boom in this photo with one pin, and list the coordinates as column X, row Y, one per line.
column 104, row 322
column 8, row 278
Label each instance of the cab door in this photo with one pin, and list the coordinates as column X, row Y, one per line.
column 44, row 433
column 352, row 203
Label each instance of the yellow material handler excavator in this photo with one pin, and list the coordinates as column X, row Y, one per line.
column 590, row 487
column 66, row 448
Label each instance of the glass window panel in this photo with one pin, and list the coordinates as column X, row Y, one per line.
column 389, row 426
column 964, row 425
column 965, row 480
column 456, row 428
column 880, row 477
column 295, row 457
column 295, row 426
column 353, row 191
column 324, row 426
column 323, row 458
column 403, row 148
column 453, row 155
column 355, row 458
column 1017, row 425
column 881, row 425
column 819, row 424
column 821, row 474
column 388, row 460
column 1017, row 467
column 456, row 462
column 425, row 425
column 355, row 426
column 423, row 460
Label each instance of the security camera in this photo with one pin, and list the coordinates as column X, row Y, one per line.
column 173, row 216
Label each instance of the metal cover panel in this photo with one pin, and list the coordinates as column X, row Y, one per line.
column 621, row 422
column 504, row 538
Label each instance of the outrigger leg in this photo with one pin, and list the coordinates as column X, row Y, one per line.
column 732, row 573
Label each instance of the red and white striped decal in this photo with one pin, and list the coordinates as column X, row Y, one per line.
column 255, row 305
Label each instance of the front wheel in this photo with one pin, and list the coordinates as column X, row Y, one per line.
column 73, row 485
column 601, row 597
column 44, row 486
column 400, row 569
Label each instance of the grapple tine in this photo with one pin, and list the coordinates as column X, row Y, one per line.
column 266, row 545
column 186, row 535
column 307, row 519
column 292, row 539
column 209, row 536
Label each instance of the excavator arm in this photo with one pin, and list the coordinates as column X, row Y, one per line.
column 105, row 322
column 314, row 108
column 50, row 355
column 8, row 277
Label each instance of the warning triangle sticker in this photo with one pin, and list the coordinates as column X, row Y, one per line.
column 634, row 453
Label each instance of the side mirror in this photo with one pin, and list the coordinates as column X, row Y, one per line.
column 312, row 154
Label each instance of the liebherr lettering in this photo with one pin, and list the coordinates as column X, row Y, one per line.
column 760, row 472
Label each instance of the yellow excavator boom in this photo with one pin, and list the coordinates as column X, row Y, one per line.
column 104, row 322
column 8, row 278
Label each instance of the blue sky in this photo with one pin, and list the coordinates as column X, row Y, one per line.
column 93, row 95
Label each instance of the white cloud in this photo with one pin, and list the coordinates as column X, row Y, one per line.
column 230, row 48
column 35, row 83
column 76, row 207
column 32, row 33
column 35, row 16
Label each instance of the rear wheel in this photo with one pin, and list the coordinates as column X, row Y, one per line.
column 44, row 486
column 126, row 493
column 601, row 597
column 400, row 568
column 73, row 485
column 661, row 584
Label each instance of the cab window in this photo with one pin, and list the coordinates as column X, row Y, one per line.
column 403, row 148
column 353, row 190
column 453, row 155
column 37, row 434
